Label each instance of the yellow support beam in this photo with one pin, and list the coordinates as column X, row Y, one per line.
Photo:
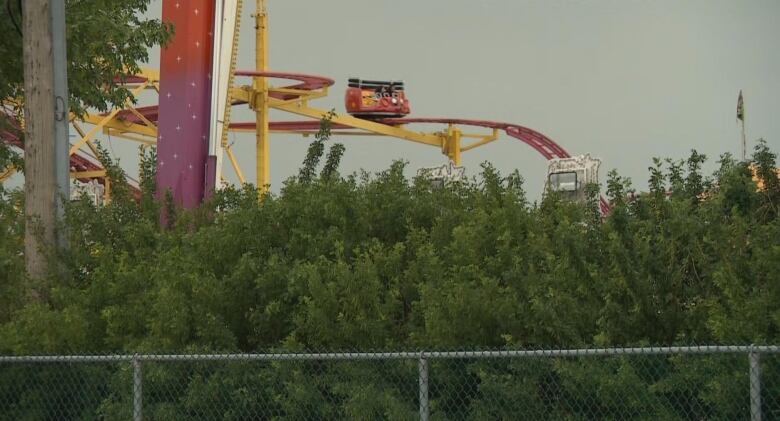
column 88, row 174
column 101, row 121
column 247, row 94
column 118, row 125
column 148, row 141
column 153, row 75
column 299, row 92
column 260, row 87
column 302, row 95
column 141, row 117
column 451, row 146
column 91, row 145
column 358, row 123
column 7, row 173
column 107, row 190
column 236, row 167
column 484, row 139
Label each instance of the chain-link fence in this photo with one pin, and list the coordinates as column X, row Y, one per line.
column 686, row 383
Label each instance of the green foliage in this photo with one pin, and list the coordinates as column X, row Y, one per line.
column 378, row 261
column 9, row 128
column 9, row 157
column 317, row 148
column 106, row 39
column 11, row 248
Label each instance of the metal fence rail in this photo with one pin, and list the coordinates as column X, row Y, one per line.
column 700, row 382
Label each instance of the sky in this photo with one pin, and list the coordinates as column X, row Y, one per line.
column 623, row 80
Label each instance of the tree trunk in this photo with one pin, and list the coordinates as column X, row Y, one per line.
column 40, row 186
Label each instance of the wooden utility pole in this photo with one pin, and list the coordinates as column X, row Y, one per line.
column 45, row 113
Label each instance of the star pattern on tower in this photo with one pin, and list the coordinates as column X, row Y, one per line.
column 186, row 62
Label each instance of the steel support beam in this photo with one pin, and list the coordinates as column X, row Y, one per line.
column 260, row 86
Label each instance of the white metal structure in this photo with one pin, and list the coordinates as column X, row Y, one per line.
column 93, row 190
column 570, row 176
column 225, row 36
column 444, row 174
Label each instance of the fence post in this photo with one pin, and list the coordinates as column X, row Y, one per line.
column 137, row 389
column 754, row 358
column 423, row 368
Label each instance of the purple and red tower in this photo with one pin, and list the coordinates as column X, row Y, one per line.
column 185, row 101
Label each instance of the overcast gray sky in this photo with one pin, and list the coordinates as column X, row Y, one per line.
column 623, row 80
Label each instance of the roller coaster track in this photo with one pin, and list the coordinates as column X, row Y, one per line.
column 308, row 83
column 309, row 87
column 545, row 146
column 79, row 162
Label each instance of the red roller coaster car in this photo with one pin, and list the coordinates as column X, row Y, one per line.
column 376, row 99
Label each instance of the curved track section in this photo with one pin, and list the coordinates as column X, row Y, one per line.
column 79, row 161
column 541, row 143
column 308, row 82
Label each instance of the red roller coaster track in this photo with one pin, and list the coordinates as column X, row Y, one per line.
column 79, row 162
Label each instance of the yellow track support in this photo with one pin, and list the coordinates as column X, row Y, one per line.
column 108, row 121
column 109, row 124
column 7, row 173
column 451, row 146
column 260, row 88
column 88, row 174
column 234, row 162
